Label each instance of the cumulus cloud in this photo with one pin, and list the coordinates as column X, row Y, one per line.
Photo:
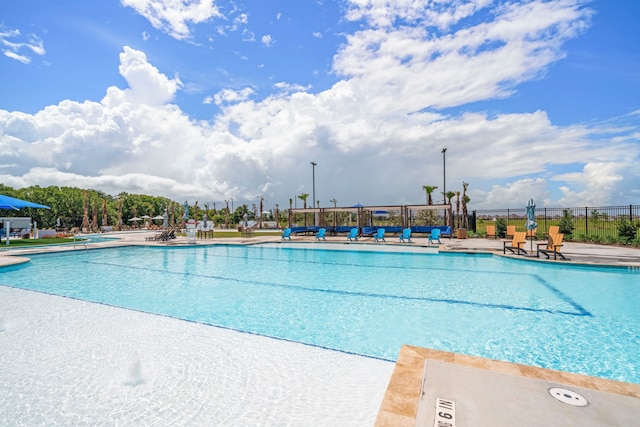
column 175, row 16
column 146, row 84
column 228, row 95
column 438, row 69
column 375, row 135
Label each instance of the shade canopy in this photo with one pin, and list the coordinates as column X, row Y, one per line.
column 12, row 203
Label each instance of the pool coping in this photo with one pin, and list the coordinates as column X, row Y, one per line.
column 399, row 407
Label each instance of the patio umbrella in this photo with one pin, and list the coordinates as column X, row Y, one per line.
column 531, row 223
column 165, row 219
column 12, row 203
column 185, row 216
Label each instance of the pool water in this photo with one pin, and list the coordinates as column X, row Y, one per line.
column 577, row 319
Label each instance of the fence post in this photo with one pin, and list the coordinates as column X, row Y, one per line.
column 631, row 214
column 586, row 220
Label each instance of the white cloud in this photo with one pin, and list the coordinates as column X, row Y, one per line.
column 430, row 70
column 146, row 84
column 242, row 18
column 19, row 58
column 267, row 40
column 13, row 42
column 175, row 16
column 291, row 87
column 229, row 96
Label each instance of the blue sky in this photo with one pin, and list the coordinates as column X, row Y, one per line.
column 208, row 100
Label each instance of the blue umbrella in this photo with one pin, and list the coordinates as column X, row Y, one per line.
column 12, row 203
column 186, row 211
column 531, row 223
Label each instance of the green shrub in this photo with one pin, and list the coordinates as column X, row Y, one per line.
column 501, row 228
column 566, row 224
column 627, row 231
column 595, row 238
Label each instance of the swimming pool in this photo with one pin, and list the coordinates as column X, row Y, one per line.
column 576, row 319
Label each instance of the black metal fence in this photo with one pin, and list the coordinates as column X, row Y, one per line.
column 590, row 223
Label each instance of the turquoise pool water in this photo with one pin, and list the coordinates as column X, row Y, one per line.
column 577, row 319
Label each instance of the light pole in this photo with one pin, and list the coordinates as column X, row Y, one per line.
column 444, row 186
column 444, row 175
column 313, row 175
column 260, row 221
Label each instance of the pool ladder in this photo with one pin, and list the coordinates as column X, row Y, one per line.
column 79, row 241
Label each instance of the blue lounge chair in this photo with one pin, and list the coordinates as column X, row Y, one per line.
column 406, row 235
column 379, row 236
column 286, row 234
column 320, row 234
column 353, row 234
column 435, row 235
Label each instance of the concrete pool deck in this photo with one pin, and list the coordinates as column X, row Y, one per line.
column 402, row 404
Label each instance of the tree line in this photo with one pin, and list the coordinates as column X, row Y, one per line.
column 86, row 208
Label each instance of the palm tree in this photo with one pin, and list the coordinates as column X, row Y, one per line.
column 449, row 195
column 465, row 200
column 429, row 189
column 458, row 208
column 335, row 214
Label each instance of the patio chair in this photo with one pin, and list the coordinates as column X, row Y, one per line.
column 286, row 234
column 553, row 245
column 406, row 235
column 379, row 236
column 435, row 235
column 554, row 229
column 517, row 243
column 353, row 234
column 511, row 231
column 320, row 234
column 491, row 231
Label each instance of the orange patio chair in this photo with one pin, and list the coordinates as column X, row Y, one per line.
column 491, row 231
column 517, row 243
column 553, row 245
column 554, row 229
column 511, row 231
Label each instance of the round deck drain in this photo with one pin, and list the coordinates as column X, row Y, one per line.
column 567, row 396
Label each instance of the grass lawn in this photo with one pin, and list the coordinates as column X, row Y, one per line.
column 37, row 242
